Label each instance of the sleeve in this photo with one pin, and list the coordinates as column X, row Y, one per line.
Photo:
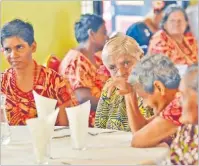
column 173, row 112
column 158, row 45
column 161, row 44
column 63, row 91
column 86, row 77
column 133, row 31
column 102, row 111
column 4, row 82
column 193, row 45
column 184, row 148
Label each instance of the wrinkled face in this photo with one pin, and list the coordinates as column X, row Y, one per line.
column 100, row 37
column 121, row 66
column 18, row 53
column 149, row 99
column 189, row 104
column 154, row 99
column 176, row 23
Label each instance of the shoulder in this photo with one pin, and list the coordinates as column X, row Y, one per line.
column 190, row 38
column 159, row 40
column 137, row 24
column 71, row 56
column 161, row 35
column 135, row 27
column 7, row 74
column 173, row 111
column 5, row 79
column 49, row 73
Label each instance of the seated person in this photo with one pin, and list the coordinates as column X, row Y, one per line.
column 25, row 75
column 83, row 66
column 142, row 31
column 174, row 39
column 184, row 148
column 120, row 55
column 156, row 80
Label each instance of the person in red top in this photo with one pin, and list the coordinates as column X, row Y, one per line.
column 83, row 66
column 156, row 80
column 174, row 39
column 25, row 75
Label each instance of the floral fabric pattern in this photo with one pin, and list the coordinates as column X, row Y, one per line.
column 184, row 148
column 80, row 72
column 20, row 105
column 173, row 111
column 185, row 53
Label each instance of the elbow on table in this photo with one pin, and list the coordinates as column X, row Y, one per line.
column 135, row 143
column 138, row 142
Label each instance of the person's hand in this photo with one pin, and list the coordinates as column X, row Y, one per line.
column 121, row 84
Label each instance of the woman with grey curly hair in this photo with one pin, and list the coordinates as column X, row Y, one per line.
column 156, row 80
column 174, row 39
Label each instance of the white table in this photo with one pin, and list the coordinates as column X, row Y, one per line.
column 108, row 149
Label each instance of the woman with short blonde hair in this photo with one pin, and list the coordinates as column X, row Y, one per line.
column 120, row 54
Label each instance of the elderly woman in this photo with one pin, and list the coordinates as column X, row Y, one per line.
column 82, row 66
column 156, row 80
column 184, row 148
column 143, row 31
column 120, row 55
column 25, row 75
column 174, row 40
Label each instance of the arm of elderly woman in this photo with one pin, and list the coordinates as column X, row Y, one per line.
column 146, row 133
column 135, row 119
column 153, row 133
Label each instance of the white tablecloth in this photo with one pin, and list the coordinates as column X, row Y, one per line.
column 108, row 149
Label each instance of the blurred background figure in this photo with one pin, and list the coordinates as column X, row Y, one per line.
column 174, row 39
column 192, row 12
column 184, row 148
column 143, row 31
column 83, row 66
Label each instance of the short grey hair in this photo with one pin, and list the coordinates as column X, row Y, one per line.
column 155, row 67
column 169, row 10
column 192, row 74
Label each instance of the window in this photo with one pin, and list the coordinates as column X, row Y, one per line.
column 87, row 7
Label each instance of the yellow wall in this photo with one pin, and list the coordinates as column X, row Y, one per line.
column 53, row 22
column 194, row 2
